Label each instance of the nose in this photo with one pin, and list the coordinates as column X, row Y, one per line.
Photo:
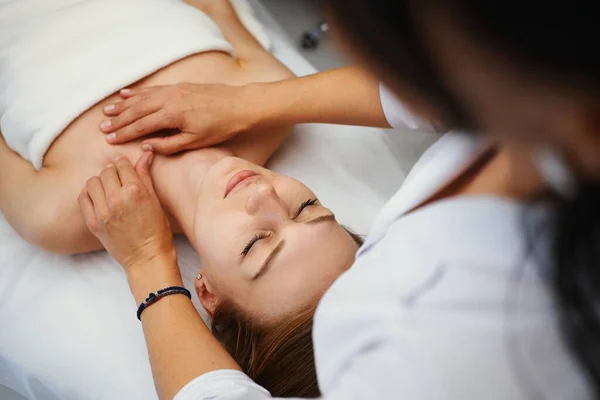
column 264, row 201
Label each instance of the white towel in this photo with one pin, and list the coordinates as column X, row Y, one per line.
column 60, row 57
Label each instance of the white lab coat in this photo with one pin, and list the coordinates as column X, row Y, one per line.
column 446, row 302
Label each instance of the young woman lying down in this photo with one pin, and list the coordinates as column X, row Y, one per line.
column 269, row 249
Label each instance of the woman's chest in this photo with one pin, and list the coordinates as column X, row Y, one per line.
column 82, row 149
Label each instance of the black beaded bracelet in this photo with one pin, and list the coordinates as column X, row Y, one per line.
column 156, row 296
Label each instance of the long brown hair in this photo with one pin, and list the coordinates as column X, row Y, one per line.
column 280, row 357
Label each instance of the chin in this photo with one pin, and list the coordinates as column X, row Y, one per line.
column 230, row 164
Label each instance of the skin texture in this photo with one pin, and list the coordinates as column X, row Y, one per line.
column 208, row 114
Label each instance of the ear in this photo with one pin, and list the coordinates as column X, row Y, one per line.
column 207, row 297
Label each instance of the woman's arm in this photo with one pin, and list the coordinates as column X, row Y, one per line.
column 126, row 216
column 210, row 114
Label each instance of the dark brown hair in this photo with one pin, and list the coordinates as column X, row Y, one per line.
column 280, row 358
column 554, row 41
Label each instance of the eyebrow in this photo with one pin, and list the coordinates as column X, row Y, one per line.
column 269, row 260
column 322, row 218
column 277, row 250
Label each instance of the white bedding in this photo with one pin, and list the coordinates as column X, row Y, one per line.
column 67, row 324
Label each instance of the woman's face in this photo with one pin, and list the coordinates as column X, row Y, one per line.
column 265, row 241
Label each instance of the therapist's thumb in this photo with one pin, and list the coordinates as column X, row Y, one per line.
column 173, row 144
column 142, row 167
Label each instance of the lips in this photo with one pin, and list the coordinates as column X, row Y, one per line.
column 237, row 179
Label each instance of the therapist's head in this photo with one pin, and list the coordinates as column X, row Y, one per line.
column 522, row 71
column 266, row 243
column 526, row 73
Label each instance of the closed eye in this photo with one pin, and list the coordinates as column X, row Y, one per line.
column 252, row 242
column 307, row 203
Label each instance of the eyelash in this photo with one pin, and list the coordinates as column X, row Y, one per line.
column 307, row 203
column 256, row 238
column 261, row 236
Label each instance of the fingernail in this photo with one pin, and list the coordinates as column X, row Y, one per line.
column 105, row 125
column 147, row 147
column 121, row 157
column 109, row 108
column 111, row 137
column 125, row 91
column 111, row 165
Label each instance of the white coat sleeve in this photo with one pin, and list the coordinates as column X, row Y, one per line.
column 222, row 385
column 365, row 378
column 399, row 116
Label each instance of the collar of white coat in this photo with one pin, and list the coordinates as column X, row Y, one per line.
column 438, row 165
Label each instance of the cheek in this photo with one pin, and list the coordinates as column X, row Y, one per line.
column 218, row 241
column 224, row 275
column 291, row 191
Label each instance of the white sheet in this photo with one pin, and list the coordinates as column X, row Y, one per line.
column 67, row 324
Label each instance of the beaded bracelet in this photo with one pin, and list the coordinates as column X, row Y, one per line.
column 156, row 296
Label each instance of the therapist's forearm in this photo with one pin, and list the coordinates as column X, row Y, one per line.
column 345, row 96
column 180, row 345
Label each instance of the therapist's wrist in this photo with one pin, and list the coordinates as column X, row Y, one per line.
column 271, row 104
column 154, row 274
column 260, row 108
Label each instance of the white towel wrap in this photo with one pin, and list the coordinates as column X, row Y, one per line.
column 58, row 58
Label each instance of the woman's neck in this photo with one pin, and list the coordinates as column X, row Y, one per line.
column 510, row 173
column 507, row 172
column 178, row 180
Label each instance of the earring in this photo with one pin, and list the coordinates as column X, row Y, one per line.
column 199, row 276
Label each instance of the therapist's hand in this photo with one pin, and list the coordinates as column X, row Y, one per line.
column 201, row 114
column 122, row 210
